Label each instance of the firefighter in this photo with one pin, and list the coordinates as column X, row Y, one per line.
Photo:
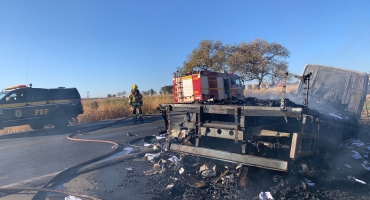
column 136, row 101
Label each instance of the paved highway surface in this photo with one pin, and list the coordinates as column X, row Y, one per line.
column 33, row 154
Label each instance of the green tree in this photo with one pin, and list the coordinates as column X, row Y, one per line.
column 168, row 89
column 109, row 95
column 258, row 60
column 152, row 92
column 114, row 95
column 209, row 55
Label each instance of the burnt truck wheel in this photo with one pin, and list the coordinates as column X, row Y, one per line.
column 37, row 125
column 60, row 120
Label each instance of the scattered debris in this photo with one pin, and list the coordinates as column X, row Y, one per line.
column 156, row 166
column 265, row 196
column 356, row 155
column 160, row 137
column 195, row 164
column 129, row 134
column 365, row 165
column 239, row 166
column 170, row 186
column 209, row 172
column 348, row 166
column 200, row 184
column 221, row 176
column 72, row 198
column 357, row 143
column 352, row 143
column 151, row 156
column 202, row 168
column 309, row 182
column 177, row 166
column 182, row 170
column 129, row 168
column 352, row 178
column 150, row 172
column 174, row 159
column 228, row 179
column 128, row 149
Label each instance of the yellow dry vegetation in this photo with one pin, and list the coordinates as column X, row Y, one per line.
column 104, row 109
column 269, row 93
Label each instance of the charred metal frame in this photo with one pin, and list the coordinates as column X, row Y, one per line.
column 303, row 142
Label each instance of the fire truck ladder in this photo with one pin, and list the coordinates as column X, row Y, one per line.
column 179, row 87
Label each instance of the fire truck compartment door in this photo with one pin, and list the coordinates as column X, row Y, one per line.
column 220, row 88
column 205, row 85
column 188, row 86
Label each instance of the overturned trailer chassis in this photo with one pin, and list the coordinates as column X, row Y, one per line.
column 253, row 135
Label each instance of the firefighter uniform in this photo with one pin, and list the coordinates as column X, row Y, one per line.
column 136, row 101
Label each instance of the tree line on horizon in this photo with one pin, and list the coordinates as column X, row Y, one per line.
column 168, row 89
column 256, row 60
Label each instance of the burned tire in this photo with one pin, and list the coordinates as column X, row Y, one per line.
column 37, row 125
column 60, row 120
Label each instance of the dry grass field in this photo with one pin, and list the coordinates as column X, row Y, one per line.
column 118, row 108
column 270, row 93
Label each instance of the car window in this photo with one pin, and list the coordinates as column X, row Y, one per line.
column 39, row 95
column 17, row 95
column 2, row 95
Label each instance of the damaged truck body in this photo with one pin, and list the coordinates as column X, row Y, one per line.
column 265, row 133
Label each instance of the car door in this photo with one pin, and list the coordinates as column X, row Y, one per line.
column 15, row 106
column 41, row 102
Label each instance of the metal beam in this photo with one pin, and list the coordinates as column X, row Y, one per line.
column 256, row 161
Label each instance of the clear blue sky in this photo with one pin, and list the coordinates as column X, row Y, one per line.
column 106, row 46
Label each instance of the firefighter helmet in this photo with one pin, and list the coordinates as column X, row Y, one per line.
column 134, row 87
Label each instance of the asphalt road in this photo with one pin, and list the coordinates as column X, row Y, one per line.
column 34, row 154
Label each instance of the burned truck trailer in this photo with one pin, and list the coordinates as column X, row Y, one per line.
column 254, row 132
column 339, row 96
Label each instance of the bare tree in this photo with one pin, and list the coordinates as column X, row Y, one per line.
column 119, row 94
column 123, row 93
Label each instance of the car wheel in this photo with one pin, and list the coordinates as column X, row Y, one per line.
column 73, row 121
column 37, row 125
column 60, row 120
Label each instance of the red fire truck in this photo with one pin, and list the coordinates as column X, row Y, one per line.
column 206, row 85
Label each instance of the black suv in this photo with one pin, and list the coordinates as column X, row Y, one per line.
column 21, row 105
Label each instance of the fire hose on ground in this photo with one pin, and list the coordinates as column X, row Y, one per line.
column 83, row 167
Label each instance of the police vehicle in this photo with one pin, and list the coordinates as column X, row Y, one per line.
column 37, row 107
